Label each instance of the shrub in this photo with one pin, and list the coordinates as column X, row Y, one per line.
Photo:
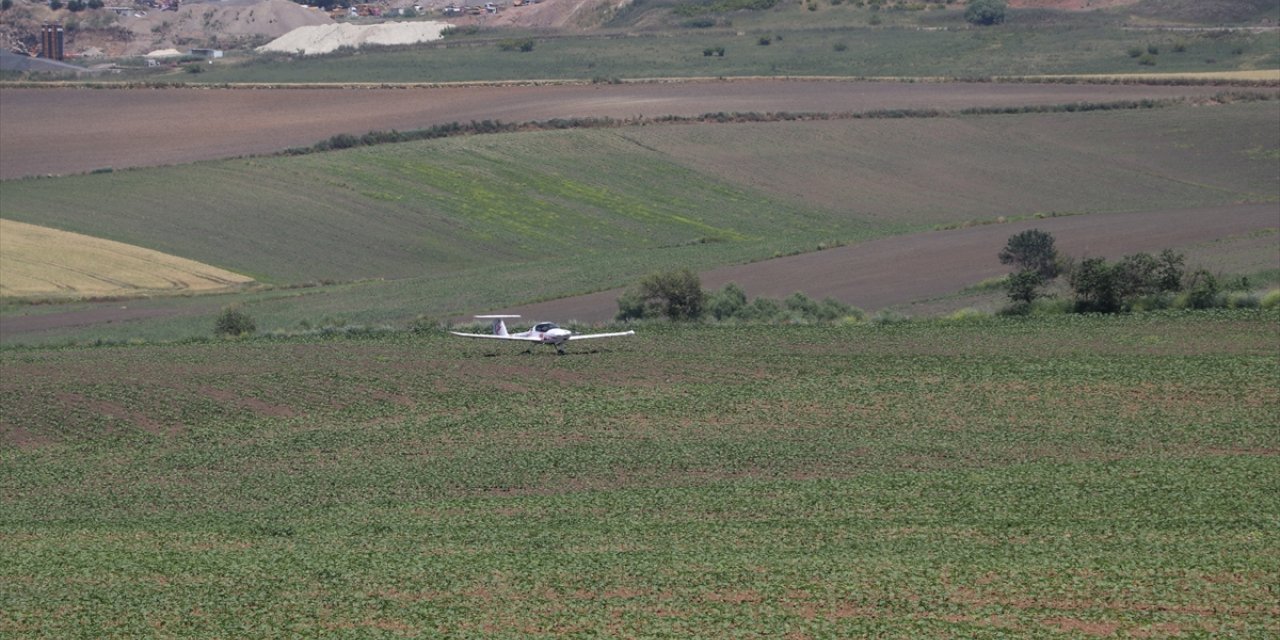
column 1147, row 60
column 5, row 5
column 55, row 4
column 1270, row 300
column 840, row 46
column 1243, row 300
column 1153, row 50
column 524, row 45
column 764, row 41
column 985, row 12
column 967, row 314
column 1179, row 47
column 75, row 6
column 888, row 316
column 1202, row 291
column 875, row 20
column 728, row 302
column 234, row 322
column 1134, row 52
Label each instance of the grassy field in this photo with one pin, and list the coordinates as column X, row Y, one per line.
column 1070, row 477
column 823, row 51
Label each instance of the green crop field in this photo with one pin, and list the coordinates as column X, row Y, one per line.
column 1069, row 477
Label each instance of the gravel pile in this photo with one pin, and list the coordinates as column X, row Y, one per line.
column 325, row 38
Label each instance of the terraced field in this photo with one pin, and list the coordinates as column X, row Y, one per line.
column 1071, row 477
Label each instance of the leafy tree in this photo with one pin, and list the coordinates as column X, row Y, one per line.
column 1170, row 270
column 233, row 321
column 75, row 6
column 5, row 5
column 1032, row 250
column 95, row 4
column 1023, row 286
column 985, row 12
column 1093, row 282
column 1135, row 276
column 55, row 4
column 676, row 295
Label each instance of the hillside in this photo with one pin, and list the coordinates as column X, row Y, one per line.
column 489, row 221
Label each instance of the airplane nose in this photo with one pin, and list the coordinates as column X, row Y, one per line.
column 559, row 334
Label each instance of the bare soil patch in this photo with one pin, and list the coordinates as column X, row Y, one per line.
column 71, row 130
column 897, row 270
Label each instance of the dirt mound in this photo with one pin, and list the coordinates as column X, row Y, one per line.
column 221, row 25
column 325, row 38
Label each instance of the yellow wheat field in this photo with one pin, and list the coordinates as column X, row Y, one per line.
column 38, row 261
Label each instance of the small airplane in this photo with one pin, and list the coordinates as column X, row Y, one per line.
column 542, row 333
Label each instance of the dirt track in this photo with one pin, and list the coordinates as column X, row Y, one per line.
column 902, row 269
column 70, row 130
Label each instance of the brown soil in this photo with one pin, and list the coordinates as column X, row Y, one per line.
column 897, row 270
column 69, row 130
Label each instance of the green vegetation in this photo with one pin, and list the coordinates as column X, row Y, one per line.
column 234, row 322
column 985, row 12
column 984, row 478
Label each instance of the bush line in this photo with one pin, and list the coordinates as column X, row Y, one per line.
column 452, row 129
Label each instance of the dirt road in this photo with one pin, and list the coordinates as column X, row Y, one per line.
column 75, row 130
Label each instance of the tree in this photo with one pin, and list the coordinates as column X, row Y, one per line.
column 55, row 4
column 234, row 322
column 985, row 12
column 1093, row 282
column 1032, row 250
column 1170, row 270
column 5, row 5
column 676, row 295
column 1023, row 286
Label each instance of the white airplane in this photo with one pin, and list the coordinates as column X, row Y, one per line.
column 542, row 333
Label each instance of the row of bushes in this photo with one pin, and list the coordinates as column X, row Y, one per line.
column 678, row 295
column 1137, row 282
column 346, row 140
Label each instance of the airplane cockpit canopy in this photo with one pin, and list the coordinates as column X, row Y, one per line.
column 544, row 327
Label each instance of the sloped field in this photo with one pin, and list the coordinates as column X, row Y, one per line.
column 41, row 262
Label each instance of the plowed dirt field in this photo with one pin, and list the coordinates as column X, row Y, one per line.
column 74, row 130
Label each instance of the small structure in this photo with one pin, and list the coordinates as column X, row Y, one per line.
column 52, row 37
column 207, row 54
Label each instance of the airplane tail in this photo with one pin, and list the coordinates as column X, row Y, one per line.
column 499, row 327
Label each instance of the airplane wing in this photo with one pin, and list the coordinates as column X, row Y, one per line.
column 601, row 335
column 490, row 336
